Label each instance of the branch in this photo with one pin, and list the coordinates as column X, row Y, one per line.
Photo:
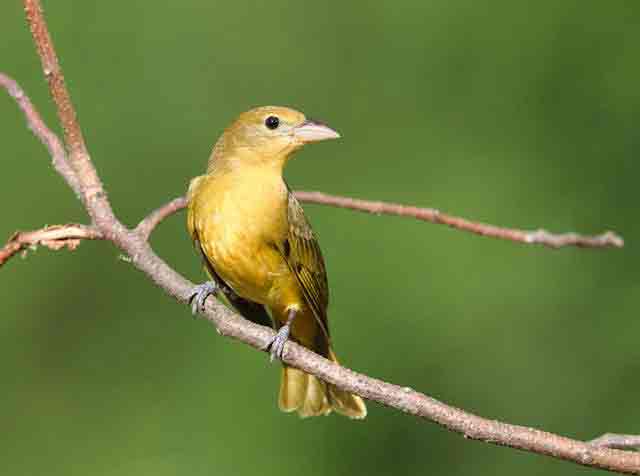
column 53, row 73
column 91, row 191
column 42, row 132
column 134, row 244
column 617, row 441
column 147, row 225
column 415, row 403
column 539, row 237
column 432, row 215
column 53, row 237
column 151, row 221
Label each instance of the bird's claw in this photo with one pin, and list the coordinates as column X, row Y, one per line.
column 199, row 295
column 276, row 346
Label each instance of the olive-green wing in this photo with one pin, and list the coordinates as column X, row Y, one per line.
column 304, row 258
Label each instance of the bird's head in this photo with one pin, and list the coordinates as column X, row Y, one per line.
column 269, row 133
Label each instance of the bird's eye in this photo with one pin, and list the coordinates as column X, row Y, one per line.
column 272, row 122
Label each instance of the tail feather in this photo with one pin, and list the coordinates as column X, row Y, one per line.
column 315, row 401
column 310, row 396
column 302, row 392
column 346, row 403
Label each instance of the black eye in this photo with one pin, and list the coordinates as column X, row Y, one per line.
column 272, row 122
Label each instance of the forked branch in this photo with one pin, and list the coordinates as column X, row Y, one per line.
column 54, row 237
column 539, row 237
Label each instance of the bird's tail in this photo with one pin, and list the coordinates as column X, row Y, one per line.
column 310, row 396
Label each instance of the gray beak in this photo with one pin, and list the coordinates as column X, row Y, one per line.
column 314, row 131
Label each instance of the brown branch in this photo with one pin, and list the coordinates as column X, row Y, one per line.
column 415, row 403
column 42, row 132
column 151, row 221
column 147, row 225
column 92, row 192
column 540, row 237
column 54, row 237
column 230, row 324
column 53, row 73
column 432, row 215
column 617, row 441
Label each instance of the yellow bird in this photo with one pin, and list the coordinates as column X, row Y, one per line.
column 260, row 250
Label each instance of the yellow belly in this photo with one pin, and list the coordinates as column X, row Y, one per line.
column 239, row 221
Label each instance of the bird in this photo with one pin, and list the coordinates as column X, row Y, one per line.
column 260, row 252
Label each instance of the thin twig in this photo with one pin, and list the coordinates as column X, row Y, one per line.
column 617, row 441
column 42, row 132
column 147, row 225
column 432, row 215
column 539, row 237
column 228, row 323
column 53, row 237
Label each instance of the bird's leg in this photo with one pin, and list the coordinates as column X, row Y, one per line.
column 276, row 345
column 199, row 295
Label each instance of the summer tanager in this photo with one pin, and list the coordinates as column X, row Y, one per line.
column 260, row 250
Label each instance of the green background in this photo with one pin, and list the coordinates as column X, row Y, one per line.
column 516, row 113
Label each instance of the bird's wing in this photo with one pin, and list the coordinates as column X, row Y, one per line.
column 304, row 258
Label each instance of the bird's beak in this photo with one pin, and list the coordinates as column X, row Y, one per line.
column 313, row 131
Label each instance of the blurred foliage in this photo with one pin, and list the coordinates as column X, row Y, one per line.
column 515, row 113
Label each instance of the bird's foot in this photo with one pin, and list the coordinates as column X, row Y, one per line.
column 199, row 295
column 276, row 346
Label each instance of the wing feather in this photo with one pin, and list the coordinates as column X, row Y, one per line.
column 304, row 258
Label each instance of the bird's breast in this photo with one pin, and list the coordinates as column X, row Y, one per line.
column 239, row 219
